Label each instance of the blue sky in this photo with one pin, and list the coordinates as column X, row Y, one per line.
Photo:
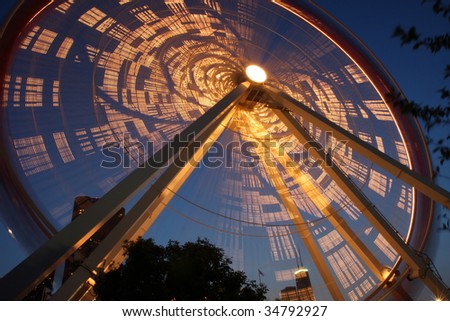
column 5, row 7
column 418, row 73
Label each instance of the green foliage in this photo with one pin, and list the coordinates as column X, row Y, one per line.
column 192, row 271
column 431, row 116
column 439, row 8
column 434, row 43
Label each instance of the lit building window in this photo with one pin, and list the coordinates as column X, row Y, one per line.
column 44, row 41
column 359, row 291
column 213, row 4
column 32, row 154
column 17, row 92
column 110, row 83
column 92, row 53
column 365, row 137
column 102, row 135
column 29, row 37
column 92, row 17
column 346, row 266
column 380, row 144
column 285, row 275
column 378, row 183
column 386, row 248
column 118, row 31
column 84, row 141
column 356, row 169
column 405, row 199
column 65, row 6
column 6, row 90
column 106, row 24
column 63, row 147
column 169, row 2
column 33, row 94
column 367, row 285
column 144, row 14
column 281, row 243
column 363, row 112
column 335, row 78
column 352, row 295
column 378, row 108
column 55, row 95
column 303, row 285
column 177, row 7
column 356, row 73
column 64, row 48
column 330, row 241
column 401, row 153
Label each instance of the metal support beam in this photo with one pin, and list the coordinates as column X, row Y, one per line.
column 140, row 218
column 300, row 224
column 416, row 264
column 29, row 273
column 325, row 207
column 303, row 230
column 390, row 164
column 316, row 196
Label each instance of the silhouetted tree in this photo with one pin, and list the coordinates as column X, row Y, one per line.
column 192, row 271
column 430, row 115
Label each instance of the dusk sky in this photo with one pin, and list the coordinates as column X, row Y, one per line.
column 418, row 73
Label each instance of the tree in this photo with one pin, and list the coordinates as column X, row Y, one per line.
column 432, row 116
column 192, row 271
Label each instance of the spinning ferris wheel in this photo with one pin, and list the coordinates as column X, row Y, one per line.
column 261, row 125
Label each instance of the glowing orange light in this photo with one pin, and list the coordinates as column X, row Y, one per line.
column 256, row 73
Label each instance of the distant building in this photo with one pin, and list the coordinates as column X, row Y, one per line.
column 81, row 204
column 302, row 291
column 303, row 283
column 289, row 293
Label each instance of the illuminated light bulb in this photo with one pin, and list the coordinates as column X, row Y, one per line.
column 256, row 74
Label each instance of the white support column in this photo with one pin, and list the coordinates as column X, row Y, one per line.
column 144, row 213
column 391, row 165
column 418, row 267
column 321, row 202
column 303, row 230
column 264, row 152
column 29, row 273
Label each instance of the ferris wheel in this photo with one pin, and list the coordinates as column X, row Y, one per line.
column 260, row 125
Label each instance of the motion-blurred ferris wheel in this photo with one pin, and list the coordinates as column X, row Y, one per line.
column 147, row 105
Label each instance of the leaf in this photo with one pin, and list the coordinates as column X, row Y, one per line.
column 447, row 72
column 398, row 32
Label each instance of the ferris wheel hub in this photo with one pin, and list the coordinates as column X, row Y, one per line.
column 256, row 74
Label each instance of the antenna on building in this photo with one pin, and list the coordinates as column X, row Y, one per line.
column 298, row 258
